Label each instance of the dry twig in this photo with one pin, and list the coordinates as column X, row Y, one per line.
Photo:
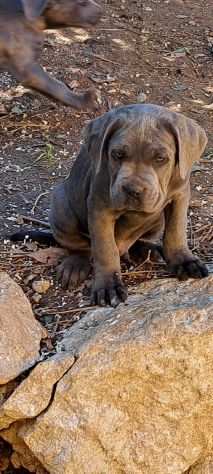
column 37, row 201
column 35, row 221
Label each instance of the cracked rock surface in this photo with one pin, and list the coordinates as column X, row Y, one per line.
column 137, row 399
column 34, row 394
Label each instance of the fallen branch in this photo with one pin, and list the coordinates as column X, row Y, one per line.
column 72, row 310
column 105, row 59
column 35, row 221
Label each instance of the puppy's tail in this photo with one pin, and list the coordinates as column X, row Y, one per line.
column 42, row 237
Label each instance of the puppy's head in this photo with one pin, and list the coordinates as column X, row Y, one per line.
column 59, row 13
column 141, row 149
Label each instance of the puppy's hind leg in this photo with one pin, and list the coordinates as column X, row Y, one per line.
column 149, row 246
column 143, row 250
column 74, row 268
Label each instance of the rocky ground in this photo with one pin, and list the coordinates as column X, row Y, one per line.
column 159, row 52
column 130, row 389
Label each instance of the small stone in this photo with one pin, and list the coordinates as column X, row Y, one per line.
column 141, row 97
column 36, row 104
column 29, row 278
column 41, row 286
column 36, row 297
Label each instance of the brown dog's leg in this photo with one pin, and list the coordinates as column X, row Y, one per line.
column 34, row 76
column 108, row 287
column 180, row 259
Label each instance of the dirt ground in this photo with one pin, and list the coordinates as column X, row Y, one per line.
column 159, row 52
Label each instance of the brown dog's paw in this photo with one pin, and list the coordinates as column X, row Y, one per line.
column 189, row 268
column 109, row 292
column 73, row 270
column 91, row 99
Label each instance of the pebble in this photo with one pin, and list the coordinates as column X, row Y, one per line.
column 36, row 297
column 141, row 97
column 29, row 278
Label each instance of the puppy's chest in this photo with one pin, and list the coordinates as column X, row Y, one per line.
column 137, row 220
column 131, row 226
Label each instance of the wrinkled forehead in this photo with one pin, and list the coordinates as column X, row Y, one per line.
column 145, row 134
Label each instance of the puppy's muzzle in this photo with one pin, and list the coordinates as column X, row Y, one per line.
column 131, row 192
column 139, row 194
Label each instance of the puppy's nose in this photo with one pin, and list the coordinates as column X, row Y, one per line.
column 131, row 191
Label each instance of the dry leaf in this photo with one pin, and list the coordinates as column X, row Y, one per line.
column 208, row 106
column 49, row 256
column 41, row 286
column 3, row 110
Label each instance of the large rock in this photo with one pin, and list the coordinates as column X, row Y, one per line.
column 203, row 467
column 20, row 333
column 139, row 398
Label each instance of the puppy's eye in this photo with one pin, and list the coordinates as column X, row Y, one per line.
column 160, row 160
column 117, row 155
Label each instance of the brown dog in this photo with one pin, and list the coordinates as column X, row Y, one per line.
column 130, row 181
column 21, row 26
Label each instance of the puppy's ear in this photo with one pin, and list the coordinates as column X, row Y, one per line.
column 191, row 141
column 33, row 8
column 97, row 136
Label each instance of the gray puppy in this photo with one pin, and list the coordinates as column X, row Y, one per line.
column 130, row 181
column 21, row 25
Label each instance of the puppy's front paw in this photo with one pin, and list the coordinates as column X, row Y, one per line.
column 109, row 291
column 189, row 268
column 73, row 270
